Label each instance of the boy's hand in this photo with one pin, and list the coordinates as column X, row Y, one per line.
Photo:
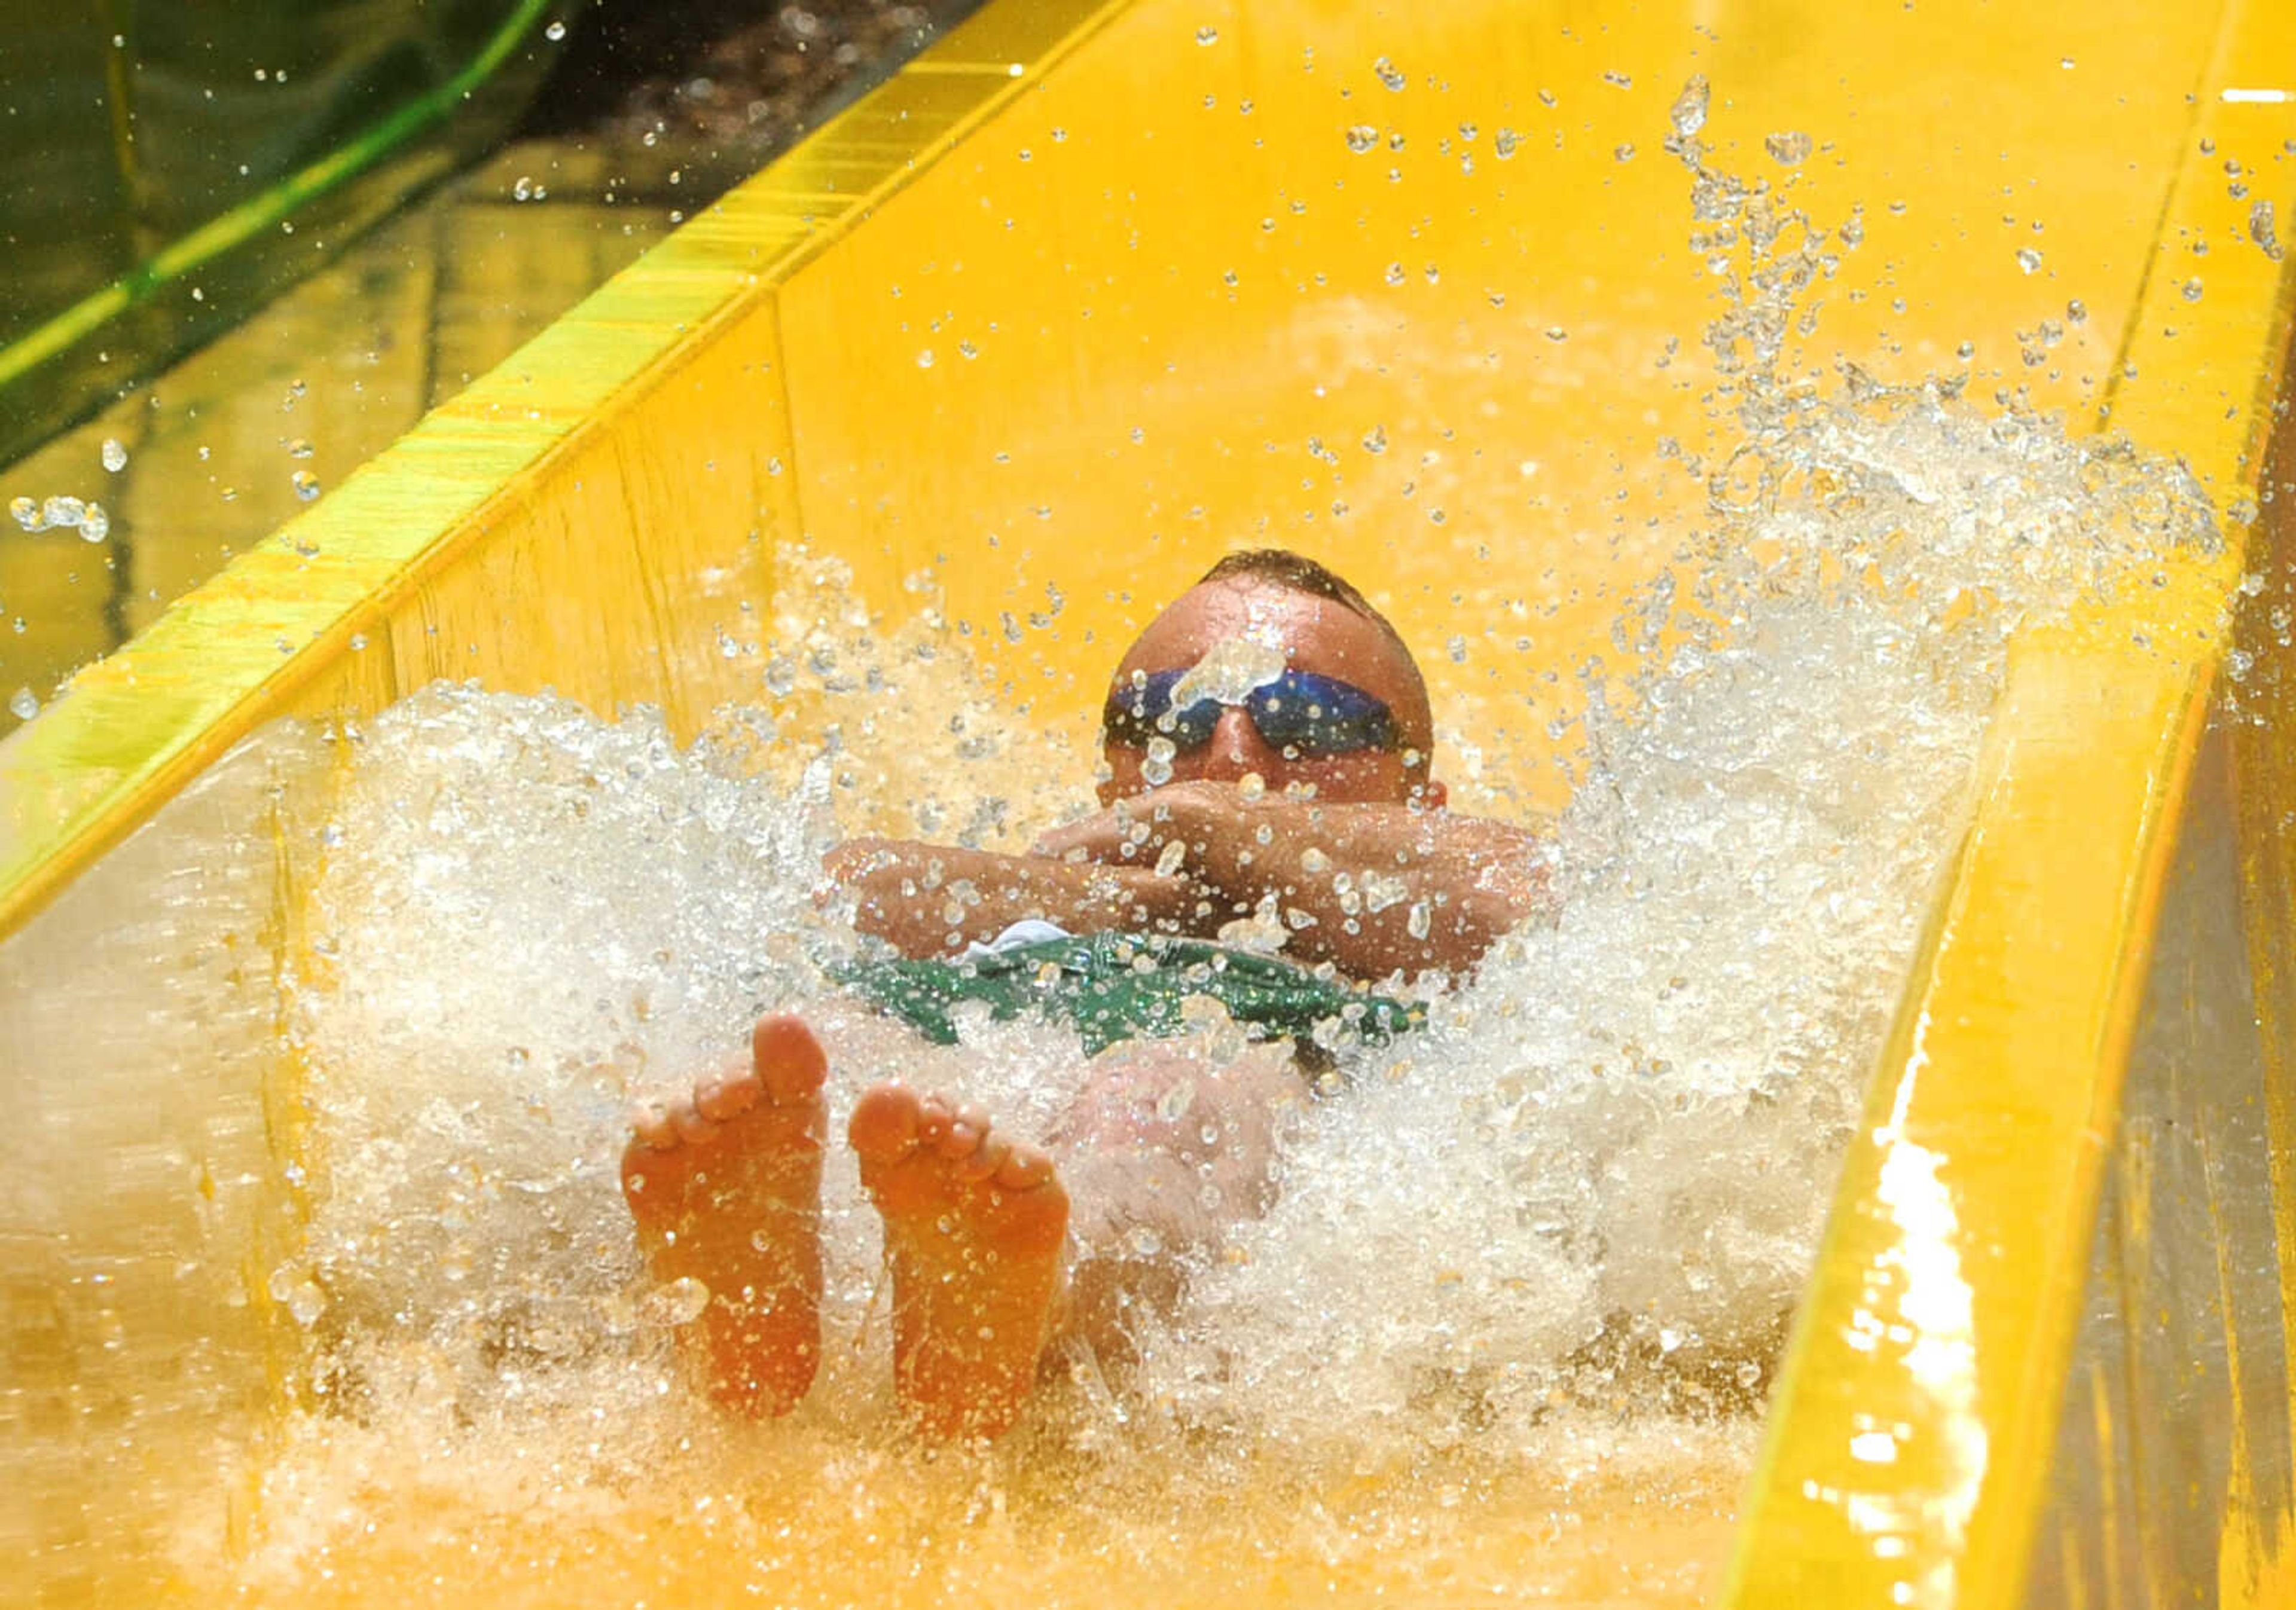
column 931, row 900
column 1208, row 832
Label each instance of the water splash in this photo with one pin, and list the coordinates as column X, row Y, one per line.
column 1588, row 1192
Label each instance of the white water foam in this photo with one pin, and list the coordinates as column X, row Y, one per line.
column 1585, row 1195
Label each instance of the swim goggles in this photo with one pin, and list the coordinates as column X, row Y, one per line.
column 1315, row 715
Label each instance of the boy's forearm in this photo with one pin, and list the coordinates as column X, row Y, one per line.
column 1376, row 888
column 932, row 900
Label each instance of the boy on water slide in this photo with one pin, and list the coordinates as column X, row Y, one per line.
column 1267, row 741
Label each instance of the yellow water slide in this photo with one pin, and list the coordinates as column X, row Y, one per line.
column 1088, row 294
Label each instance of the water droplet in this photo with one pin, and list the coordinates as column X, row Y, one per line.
column 26, row 513
column 1144, row 1242
column 1625, row 153
column 1208, row 35
column 115, row 454
column 554, row 32
column 24, row 703
column 1555, row 332
column 2191, row 289
column 2029, row 260
column 1376, row 441
column 306, row 485
column 1965, row 351
column 1158, row 767
column 2077, row 311
column 1457, row 649
column 94, row 524
column 298, row 448
column 1395, row 273
column 1168, row 862
column 62, row 511
column 925, row 358
column 1688, row 113
column 1175, row 1101
column 1389, row 73
column 1362, row 137
column 681, row 1302
column 2262, row 230
column 292, row 1288
column 1504, row 143
column 1790, row 148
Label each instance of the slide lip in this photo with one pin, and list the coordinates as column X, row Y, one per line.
column 1998, row 1098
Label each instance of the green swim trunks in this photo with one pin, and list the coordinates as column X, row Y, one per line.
column 1123, row 986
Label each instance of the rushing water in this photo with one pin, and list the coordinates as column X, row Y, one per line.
column 1535, row 1263
column 1550, row 1240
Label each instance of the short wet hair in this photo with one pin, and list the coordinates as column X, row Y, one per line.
column 1296, row 572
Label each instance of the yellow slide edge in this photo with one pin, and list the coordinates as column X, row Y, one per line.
column 1907, row 1453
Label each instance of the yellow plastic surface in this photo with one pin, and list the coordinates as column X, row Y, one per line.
column 1089, row 294
column 1945, row 1303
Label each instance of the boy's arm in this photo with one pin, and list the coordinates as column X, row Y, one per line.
column 1370, row 887
column 933, row 900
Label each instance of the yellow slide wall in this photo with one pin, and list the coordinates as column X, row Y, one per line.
column 1087, row 295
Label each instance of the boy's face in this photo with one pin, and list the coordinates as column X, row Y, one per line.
column 1319, row 636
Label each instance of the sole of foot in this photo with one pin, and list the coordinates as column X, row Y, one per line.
column 974, row 1226
column 726, row 1188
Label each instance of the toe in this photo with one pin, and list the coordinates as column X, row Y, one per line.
column 968, row 1127
column 961, row 1141
column 988, row 1157
column 787, row 1058
column 691, row 1125
column 933, row 1121
column 727, row 1096
column 885, row 1122
column 1024, row 1168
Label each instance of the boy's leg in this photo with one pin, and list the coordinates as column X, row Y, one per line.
column 1164, row 1155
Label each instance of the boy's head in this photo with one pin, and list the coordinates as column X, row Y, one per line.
column 1348, row 714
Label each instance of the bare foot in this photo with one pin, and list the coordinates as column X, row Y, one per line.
column 726, row 1188
column 973, row 1228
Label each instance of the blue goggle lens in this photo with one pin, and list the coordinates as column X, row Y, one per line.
column 1316, row 716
